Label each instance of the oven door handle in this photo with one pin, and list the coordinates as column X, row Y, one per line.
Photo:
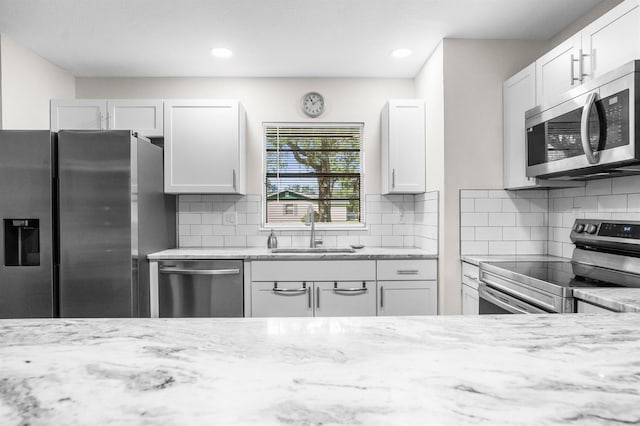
column 592, row 157
column 506, row 302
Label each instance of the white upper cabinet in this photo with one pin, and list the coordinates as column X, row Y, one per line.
column 557, row 71
column 612, row 40
column 608, row 42
column 519, row 95
column 78, row 114
column 205, row 147
column 402, row 137
column 143, row 116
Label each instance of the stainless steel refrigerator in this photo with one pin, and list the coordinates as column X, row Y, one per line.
column 80, row 211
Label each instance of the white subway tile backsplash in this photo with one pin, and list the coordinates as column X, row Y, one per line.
column 625, row 185
column 393, row 220
column 528, row 247
column 612, row 203
column 516, row 233
column 598, row 187
column 486, row 233
column 474, row 247
column 531, row 219
column 189, row 218
column 502, row 247
column 474, row 219
column 467, row 205
column 488, row 205
column 201, row 230
column 470, row 193
column 586, row 203
column 502, row 219
column 633, row 202
column 519, row 205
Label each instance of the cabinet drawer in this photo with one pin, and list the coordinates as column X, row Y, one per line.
column 426, row 269
column 470, row 274
column 313, row 270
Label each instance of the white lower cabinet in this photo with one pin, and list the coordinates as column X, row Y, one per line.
column 407, row 287
column 345, row 298
column 470, row 281
column 407, row 298
column 281, row 299
column 343, row 288
column 320, row 299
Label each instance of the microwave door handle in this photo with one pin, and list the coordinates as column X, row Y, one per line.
column 592, row 156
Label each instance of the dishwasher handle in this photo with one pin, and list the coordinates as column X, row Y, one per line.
column 182, row 271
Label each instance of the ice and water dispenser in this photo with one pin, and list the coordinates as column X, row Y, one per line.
column 21, row 242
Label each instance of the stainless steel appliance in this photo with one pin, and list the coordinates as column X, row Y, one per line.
column 590, row 131
column 80, row 212
column 607, row 254
column 200, row 288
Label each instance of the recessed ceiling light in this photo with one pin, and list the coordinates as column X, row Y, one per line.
column 221, row 52
column 401, row 53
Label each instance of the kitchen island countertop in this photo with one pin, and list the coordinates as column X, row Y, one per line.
column 507, row 370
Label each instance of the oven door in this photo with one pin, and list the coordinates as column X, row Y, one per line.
column 494, row 301
column 588, row 134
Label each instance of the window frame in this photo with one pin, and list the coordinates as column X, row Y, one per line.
column 361, row 225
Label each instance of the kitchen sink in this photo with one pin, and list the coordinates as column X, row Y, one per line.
column 313, row 250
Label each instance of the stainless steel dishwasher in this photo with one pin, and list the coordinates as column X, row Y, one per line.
column 200, row 288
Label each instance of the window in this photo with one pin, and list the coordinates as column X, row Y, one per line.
column 317, row 164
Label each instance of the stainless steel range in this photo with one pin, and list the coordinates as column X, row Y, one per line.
column 607, row 254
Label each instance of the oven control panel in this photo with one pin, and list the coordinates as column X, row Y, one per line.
column 592, row 230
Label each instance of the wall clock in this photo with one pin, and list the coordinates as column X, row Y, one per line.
column 312, row 104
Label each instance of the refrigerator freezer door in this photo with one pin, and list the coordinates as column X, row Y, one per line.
column 26, row 241
column 95, row 198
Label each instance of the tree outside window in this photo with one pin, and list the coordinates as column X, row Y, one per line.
column 313, row 164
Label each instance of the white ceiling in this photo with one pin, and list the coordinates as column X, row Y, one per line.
column 269, row 38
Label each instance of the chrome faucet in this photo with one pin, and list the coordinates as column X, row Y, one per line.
column 310, row 219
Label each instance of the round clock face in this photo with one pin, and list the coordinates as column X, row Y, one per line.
column 312, row 104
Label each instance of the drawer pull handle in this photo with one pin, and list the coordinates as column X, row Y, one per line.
column 275, row 289
column 407, row 272
column 350, row 290
column 472, row 278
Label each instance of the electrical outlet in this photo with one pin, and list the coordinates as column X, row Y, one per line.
column 229, row 218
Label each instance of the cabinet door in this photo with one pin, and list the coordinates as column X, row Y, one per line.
column 78, row 114
column 281, row 299
column 345, row 298
column 403, row 147
column 558, row 70
column 612, row 40
column 519, row 95
column 140, row 115
column 204, row 147
column 407, row 298
column 470, row 301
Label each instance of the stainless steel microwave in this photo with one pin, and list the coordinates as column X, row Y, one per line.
column 590, row 131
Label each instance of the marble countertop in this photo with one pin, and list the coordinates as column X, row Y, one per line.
column 619, row 299
column 259, row 253
column 476, row 259
column 490, row 370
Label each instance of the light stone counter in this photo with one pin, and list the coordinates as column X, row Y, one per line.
column 616, row 298
column 489, row 370
column 258, row 253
